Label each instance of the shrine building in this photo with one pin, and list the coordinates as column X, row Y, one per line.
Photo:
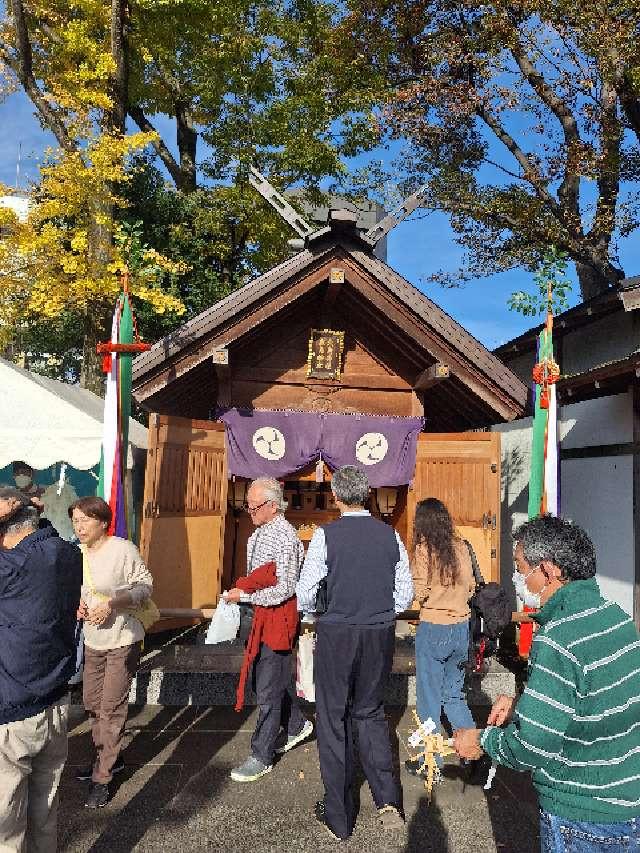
column 330, row 358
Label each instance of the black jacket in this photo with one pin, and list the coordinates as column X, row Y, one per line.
column 40, row 582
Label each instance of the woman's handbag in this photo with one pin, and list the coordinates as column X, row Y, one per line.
column 146, row 613
column 322, row 598
column 490, row 615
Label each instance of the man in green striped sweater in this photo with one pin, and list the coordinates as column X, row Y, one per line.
column 576, row 727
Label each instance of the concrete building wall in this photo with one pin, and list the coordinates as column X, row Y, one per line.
column 611, row 338
column 608, row 339
column 596, row 493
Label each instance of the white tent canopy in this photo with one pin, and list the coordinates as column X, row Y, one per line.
column 44, row 421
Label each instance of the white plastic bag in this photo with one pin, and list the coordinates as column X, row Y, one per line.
column 305, row 687
column 225, row 623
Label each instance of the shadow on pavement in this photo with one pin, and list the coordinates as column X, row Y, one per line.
column 172, row 768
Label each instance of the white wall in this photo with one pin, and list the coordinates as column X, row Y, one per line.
column 607, row 339
column 595, row 493
column 598, row 495
column 607, row 420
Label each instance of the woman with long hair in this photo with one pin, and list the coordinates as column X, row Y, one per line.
column 444, row 583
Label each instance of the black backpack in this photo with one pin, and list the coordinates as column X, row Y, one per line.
column 490, row 615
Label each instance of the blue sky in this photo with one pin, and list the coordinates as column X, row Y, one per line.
column 416, row 248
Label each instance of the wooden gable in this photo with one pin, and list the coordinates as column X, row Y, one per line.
column 394, row 336
column 269, row 371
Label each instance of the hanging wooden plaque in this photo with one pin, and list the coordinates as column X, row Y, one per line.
column 325, row 354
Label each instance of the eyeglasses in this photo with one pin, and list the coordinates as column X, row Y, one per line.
column 252, row 509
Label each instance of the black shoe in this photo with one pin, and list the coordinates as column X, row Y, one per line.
column 414, row 766
column 321, row 817
column 85, row 773
column 475, row 772
column 98, row 796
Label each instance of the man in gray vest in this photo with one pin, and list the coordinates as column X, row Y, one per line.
column 368, row 581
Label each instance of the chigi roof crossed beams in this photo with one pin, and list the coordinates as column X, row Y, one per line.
column 396, row 323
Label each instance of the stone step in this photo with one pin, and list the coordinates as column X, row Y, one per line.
column 208, row 675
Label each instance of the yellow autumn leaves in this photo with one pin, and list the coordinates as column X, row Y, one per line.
column 56, row 260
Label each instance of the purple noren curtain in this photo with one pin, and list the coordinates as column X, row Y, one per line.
column 279, row 443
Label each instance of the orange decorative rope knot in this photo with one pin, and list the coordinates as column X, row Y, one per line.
column 108, row 347
column 545, row 373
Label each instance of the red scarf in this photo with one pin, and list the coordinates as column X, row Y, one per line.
column 274, row 626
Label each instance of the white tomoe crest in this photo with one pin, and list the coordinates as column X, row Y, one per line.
column 371, row 447
column 268, row 442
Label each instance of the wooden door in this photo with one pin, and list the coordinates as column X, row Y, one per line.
column 185, row 504
column 463, row 471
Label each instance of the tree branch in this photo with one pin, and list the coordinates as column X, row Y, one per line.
column 22, row 66
column 172, row 165
column 531, row 173
column 609, row 173
column 630, row 101
column 187, row 138
column 569, row 190
column 184, row 172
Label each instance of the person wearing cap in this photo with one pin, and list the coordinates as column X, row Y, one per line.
column 23, row 478
column 40, row 580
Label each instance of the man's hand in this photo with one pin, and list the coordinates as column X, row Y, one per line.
column 233, row 595
column 8, row 506
column 502, row 710
column 467, row 743
column 83, row 611
column 38, row 503
column 100, row 613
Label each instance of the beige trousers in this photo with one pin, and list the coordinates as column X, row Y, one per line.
column 105, row 692
column 32, row 756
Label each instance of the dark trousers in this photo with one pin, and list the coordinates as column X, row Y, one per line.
column 352, row 666
column 277, row 705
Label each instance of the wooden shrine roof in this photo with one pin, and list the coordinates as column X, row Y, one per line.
column 426, row 327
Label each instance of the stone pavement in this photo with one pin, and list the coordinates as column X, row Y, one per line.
column 176, row 795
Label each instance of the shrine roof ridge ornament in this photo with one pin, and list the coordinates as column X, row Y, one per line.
column 434, row 334
column 340, row 220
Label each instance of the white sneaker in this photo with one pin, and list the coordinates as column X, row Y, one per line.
column 294, row 740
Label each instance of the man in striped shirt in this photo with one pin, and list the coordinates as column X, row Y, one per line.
column 576, row 727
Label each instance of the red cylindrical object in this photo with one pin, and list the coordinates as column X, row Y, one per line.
column 526, row 634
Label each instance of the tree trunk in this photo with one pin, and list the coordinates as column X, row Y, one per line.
column 594, row 281
column 95, row 331
column 96, row 324
column 120, row 77
column 187, row 139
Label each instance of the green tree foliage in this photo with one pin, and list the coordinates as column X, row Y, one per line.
column 221, row 235
column 513, row 119
column 237, row 83
column 246, row 84
column 552, row 287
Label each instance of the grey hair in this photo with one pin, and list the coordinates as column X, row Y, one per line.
column 350, row 485
column 272, row 491
column 27, row 518
column 561, row 542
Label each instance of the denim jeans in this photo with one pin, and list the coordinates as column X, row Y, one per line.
column 440, row 651
column 559, row 835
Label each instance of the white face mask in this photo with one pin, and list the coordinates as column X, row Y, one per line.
column 531, row 599
column 22, row 480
